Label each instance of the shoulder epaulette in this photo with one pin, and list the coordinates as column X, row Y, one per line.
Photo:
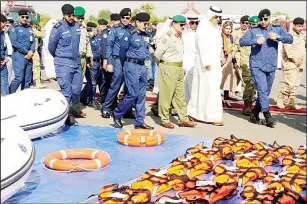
column 16, row 24
column 115, row 26
column 276, row 25
column 133, row 31
column 57, row 25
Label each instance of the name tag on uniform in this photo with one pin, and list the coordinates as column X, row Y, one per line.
column 259, row 35
column 20, row 31
column 78, row 30
column 137, row 40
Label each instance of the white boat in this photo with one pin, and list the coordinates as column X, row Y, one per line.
column 39, row 112
column 17, row 157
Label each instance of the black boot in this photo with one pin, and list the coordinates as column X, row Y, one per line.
column 118, row 123
column 268, row 119
column 254, row 117
column 71, row 121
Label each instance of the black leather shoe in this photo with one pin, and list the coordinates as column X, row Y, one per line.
column 117, row 122
column 144, row 126
column 105, row 115
column 129, row 115
column 71, row 121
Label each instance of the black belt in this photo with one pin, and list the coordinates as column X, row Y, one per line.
column 115, row 57
column 136, row 61
column 96, row 60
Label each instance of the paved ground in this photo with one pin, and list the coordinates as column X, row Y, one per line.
column 290, row 129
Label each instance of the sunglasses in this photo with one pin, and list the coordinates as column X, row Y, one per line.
column 182, row 24
column 24, row 17
column 80, row 18
column 245, row 23
column 126, row 17
column 194, row 22
column 216, row 17
column 264, row 19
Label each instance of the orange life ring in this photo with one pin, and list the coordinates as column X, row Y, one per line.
column 141, row 138
column 96, row 159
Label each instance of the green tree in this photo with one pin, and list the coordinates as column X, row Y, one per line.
column 105, row 14
column 149, row 8
column 44, row 18
column 278, row 13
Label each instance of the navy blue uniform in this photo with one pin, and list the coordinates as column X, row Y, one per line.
column 104, row 77
column 263, row 60
column 64, row 47
column 89, row 90
column 112, row 55
column 23, row 41
column 4, row 71
column 134, row 49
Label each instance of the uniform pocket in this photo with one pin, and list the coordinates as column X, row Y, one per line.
column 65, row 40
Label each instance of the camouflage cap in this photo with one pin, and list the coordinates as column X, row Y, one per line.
column 253, row 19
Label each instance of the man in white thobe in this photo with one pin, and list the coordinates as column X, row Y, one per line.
column 205, row 103
column 189, row 55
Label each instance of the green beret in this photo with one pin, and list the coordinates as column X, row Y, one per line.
column 253, row 19
column 35, row 21
column 79, row 11
column 179, row 19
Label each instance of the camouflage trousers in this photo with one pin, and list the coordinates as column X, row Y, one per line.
column 250, row 88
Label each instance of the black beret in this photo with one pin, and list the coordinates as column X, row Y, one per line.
column 142, row 16
column 102, row 22
column 125, row 12
column 68, row 9
column 91, row 25
column 298, row 21
column 264, row 13
column 11, row 21
column 3, row 18
column 22, row 12
column 244, row 18
column 114, row 17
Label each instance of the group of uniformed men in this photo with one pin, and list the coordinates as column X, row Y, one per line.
column 117, row 55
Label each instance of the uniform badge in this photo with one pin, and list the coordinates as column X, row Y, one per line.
column 13, row 30
column 126, row 38
column 255, row 20
column 105, row 35
column 52, row 35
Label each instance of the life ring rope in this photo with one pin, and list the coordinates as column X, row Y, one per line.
column 141, row 137
column 78, row 168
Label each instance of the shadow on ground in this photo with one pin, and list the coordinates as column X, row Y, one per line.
column 296, row 122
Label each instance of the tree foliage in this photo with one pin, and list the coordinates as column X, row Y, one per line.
column 44, row 18
column 103, row 14
column 278, row 13
column 149, row 8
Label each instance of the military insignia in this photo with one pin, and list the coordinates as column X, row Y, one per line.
column 265, row 15
column 105, row 36
column 126, row 38
column 13, row 30
column 52, row 35
column 255, row 20
column 129, row 13
column 57, row 24
column 163, row 41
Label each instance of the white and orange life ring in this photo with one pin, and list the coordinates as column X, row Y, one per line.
column 141, row 137
column 58, row 160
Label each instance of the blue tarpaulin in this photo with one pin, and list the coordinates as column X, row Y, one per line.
column 46, row 186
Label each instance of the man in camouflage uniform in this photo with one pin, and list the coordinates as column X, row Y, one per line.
column 85, row 52
column 36, row 59
column 293, row 65
column 243, row 61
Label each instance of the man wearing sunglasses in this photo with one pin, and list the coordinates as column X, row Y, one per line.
column 134, row 48
column 263, row 62
column 113, row 64
column 241, row 55
column 86, row 59
column 169, row 54
column 23, row 42
column 189, row 55
column 64, row 47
